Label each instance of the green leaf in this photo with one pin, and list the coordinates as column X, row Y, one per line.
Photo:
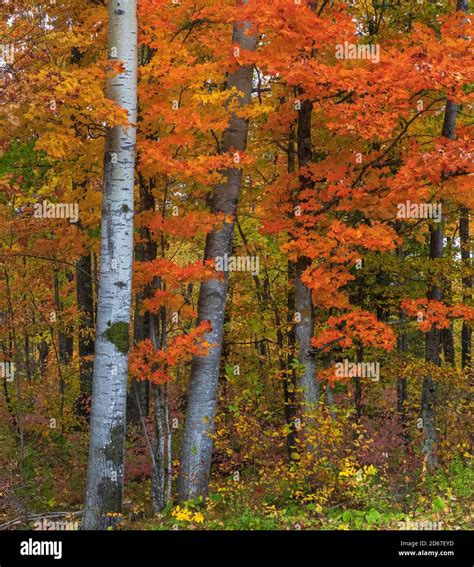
column 439, row 504
column 347, row 516
column 373, row 516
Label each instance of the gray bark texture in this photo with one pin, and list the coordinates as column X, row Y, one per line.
column 307, row 384
column 202, row 398
column 108, row 417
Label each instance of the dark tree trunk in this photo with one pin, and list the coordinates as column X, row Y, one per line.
column 85, row 303
column 433, row 349
column 402, row 387
column 308, row 386
column 402, row 348
column 65, row 335
column 358, row 387
column 447, row 338
column 466, row 333
column 447, row 335
column 139, row 393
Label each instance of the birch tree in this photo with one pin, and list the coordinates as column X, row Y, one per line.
column 106, row 448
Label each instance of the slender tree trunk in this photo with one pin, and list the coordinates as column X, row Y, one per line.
column 402, row 348
column 402, row 385
column 65, row 336
column 197, row 443
column 161, row 473
column 16, row 372
column 43, row 352
column 85, row 303
column 433, row 349
column 289, row 380
column 447, row 335
column 402, row 391
column 107, row 439
column 358, row 386
column 466, row 333
column 158, row 477
column 358, row 390
column 307, row 384
column 144, row 251
column 447, row 339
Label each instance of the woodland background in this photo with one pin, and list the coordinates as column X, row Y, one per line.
column 324, row 151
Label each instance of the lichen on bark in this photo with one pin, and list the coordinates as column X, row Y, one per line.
column 118, row 334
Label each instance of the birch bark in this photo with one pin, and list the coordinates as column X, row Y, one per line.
column 109, row 393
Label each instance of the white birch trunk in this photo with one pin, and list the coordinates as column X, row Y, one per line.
column 106, row 449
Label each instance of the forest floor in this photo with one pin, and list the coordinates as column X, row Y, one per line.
column 51, row 478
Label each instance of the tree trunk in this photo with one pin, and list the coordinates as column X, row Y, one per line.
column 161, row 459
column 402, row 385
column 289, row 379
column 85, row 303
column 358, row 386
column 402, row 348
column 466, row 333
column 433, row 348
column 307, row 384
column 289, row 376
column 197, row 443
column 65, row 336
column 107, row 439
column 144, row 251
column 158, row 476
column 447, row 335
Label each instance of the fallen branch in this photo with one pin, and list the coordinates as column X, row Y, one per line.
column 33, row 517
